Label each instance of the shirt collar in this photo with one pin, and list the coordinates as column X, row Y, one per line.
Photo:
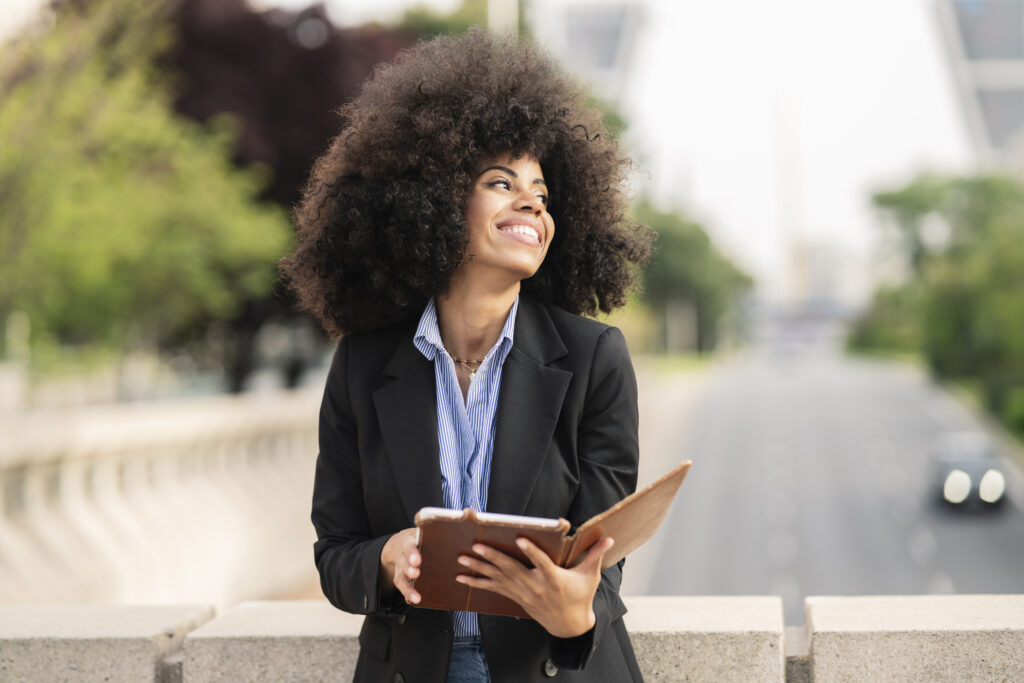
column 428, row 335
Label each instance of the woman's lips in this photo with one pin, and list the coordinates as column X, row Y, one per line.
column 522, row 232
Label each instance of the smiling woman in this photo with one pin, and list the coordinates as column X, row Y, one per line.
column 466, row 215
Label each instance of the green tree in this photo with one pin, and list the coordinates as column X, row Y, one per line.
column 907, row 208
column 120, row 222
column 962, row 301
column 890, row 322
column 426, row 22
column 688, row 273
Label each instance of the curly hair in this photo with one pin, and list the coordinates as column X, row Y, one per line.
column 380, row 226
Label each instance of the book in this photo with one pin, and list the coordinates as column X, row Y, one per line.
column 445, row 534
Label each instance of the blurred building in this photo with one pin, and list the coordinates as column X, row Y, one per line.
column 594, row 39
column 985, row 42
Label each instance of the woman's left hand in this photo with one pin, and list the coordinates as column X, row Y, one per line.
column 561, row 600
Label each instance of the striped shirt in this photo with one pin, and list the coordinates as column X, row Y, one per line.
column 465, row 429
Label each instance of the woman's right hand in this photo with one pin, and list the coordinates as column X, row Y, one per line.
column 400, row 565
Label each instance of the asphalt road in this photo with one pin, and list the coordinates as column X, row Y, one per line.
column 810, row 478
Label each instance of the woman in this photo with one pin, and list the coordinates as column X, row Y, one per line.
column 471, row 209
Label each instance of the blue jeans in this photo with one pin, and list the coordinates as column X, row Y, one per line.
column 467, row 663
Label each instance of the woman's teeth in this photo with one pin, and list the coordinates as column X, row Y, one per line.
column 522, row 230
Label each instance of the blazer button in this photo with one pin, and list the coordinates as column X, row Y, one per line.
column 399, row 678
column 550, row 669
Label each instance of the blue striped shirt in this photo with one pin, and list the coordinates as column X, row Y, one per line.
column 465, row 429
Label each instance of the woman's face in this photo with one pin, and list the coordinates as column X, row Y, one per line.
column 510, row 228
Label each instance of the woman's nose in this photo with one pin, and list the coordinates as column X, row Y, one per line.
column 529, row 202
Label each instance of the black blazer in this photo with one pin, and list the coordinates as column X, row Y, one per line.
column 565, row 445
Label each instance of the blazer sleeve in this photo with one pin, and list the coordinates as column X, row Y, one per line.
column 347, row 554
column 609, row 455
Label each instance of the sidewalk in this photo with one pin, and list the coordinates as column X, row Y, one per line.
column 668, row 393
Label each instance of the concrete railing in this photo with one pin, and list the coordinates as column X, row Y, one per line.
column 158, row 502
column 915, row 638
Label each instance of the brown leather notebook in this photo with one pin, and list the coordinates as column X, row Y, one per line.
column 445, row 534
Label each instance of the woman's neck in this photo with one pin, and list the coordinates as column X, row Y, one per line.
column 470, row 318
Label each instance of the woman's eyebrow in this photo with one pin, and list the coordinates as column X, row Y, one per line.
column 506, row 169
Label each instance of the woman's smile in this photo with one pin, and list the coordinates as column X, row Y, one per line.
column 523, row 229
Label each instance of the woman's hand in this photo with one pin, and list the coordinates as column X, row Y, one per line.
column 400, row 565
column 561, row 600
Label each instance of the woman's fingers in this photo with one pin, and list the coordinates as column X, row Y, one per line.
column 400, row 563
column 491, row 579
column 506, row 563
column 404, row 587
column 499, row 572
column 595, row 555
column 538, row 557
column 482, row 583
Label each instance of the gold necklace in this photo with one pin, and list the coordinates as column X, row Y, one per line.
column 465, row 362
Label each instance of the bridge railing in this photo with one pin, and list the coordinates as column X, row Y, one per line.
column 881, row 638
column 158, row 502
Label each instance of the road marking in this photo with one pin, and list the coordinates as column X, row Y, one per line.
column 779, row 479
column 941, row 584
column 922, row 545
column 892, row 479
column 904, row 509
column 780, row 511
column 782, row 547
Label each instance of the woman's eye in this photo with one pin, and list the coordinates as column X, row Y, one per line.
column 500, row 182
column 543, row 198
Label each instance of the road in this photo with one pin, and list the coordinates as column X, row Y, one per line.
column 809, row 478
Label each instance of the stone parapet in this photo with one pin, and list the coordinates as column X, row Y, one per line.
column 896, row 638
column 916, row 638
column 707, row 638
column 46, row 643
column 293, row 641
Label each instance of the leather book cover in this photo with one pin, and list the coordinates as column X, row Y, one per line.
column 631, row 522
column 446, row 534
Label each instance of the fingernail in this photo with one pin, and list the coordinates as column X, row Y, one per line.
column 415, row 597
column 478, row 549
column 521, row 542
column 460, row 578
column 463, row 560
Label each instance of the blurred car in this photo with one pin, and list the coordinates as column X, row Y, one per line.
column 967, row 472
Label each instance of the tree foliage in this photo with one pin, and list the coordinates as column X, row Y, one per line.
column 425, row 22
column 282, row 75
column 963, row 297
column 688, row 269
column 120, row 222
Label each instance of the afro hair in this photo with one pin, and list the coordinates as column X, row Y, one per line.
column 380, row 228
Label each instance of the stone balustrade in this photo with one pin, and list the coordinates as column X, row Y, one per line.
column 158, row 502
column 879, row 638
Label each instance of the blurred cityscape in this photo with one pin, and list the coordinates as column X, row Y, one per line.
column 838, row 191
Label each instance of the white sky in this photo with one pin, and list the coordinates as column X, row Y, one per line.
column 773, row 120
column 770, row 121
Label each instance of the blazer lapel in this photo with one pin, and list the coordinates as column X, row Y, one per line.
column 528, row 408
column 407, row 412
